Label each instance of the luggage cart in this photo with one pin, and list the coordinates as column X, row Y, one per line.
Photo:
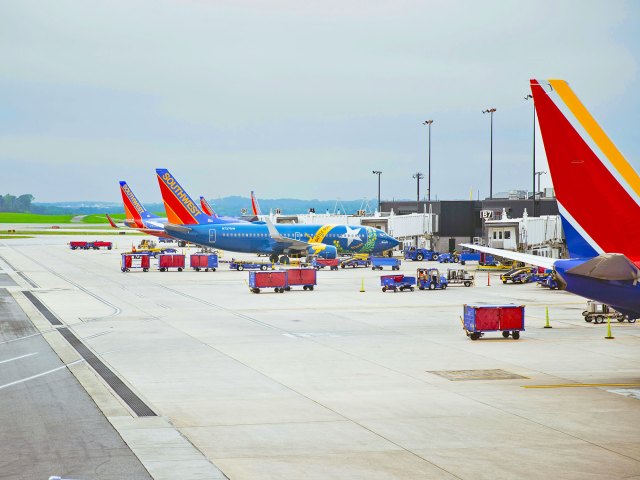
column 276, row 279
column 133, row 261
column 305, row 277
column 397, row 282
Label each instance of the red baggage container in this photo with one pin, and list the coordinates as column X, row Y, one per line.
column 487, row 319
column 167, row 261
column 511, row 319
column 301, row 276
column 130, row 261
column 77, row 244
column 265, row 279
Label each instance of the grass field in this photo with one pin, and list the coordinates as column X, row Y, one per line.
column 5, row 237
column 8, row 217
column 101, row 218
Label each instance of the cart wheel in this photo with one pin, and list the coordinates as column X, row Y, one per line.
column 240, row 268
column 474, row 336
column 504, row 281
column 213, row 269
column 401, row 289
column 255, row 290
column 515, row 335
column 145, row 269
column 588, row 318
column 444, row 286
column 631, row 320
column 505, row 334
column 421, row 288
column 179, row 269
column 462, row 262
column 395, row 290
column 123, row 270
column 419, row 257
column 372, row 268
column 432, row 286
column 263, row 267
column 599, row 319
column 467, row 284
column 162, row 269
column 384, row 289
column 411, row 288
column 304, row 287
column 310, row 287
column 434, row 257
column 281, row 290
column 287, row 288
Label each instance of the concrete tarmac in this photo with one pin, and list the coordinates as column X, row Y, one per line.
column 336, row 383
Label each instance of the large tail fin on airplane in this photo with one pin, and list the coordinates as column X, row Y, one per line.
column 206, row 208
column 598, row 191
column 180, row 207
column 255, row 206
column 134, row 210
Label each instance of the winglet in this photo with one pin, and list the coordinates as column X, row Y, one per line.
column 111, row 222
column 273, row 232
column 206, row 208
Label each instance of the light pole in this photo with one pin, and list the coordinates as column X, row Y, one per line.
column 491, row 111
column 533, row 187
column 418, row 176
column 428, row 123
column 378, row 172
column 539, row 174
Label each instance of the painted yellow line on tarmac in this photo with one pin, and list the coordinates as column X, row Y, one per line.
column 575, row 385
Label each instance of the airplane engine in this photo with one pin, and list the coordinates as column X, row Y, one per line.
column 323, row 251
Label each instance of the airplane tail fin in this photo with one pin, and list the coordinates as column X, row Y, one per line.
column 180, row 207
column 206, row 208
column 134, row 210
column 598, row 191
column 255, row 206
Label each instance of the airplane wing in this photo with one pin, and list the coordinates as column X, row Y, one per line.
column 536, row 260
column 608, row 266
column 290, row 242
column 177, row 228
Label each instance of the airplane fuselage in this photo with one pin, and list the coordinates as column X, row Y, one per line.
column 255, row 237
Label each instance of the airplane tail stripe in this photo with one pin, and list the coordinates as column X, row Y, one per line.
column 173, row 203
column 597, row 133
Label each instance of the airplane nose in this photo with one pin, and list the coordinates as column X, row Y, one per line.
column 392, row 241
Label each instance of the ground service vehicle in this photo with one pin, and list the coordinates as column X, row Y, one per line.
column 96, row 245
column 419, row 254
column 517, row 275
column 597, row 312
column 508, row 319
column 378, row 262
column 356, row 261
column 460, row 277
column 431, row 279
column 397, row 282
column 448, row 258
column 240, row 266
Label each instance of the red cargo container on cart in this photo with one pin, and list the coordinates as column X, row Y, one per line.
column 301, row 276
column 167, row 261
column 78, row 244
column 508, row 319
column 101, row 244
column 274, row 279
column 203, row 261
column 131, row 260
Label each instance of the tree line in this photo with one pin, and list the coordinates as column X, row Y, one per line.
column 12, row 203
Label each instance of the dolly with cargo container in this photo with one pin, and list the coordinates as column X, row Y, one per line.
column 508, row 319
column 460, row 277
column 96, row 245
column 304, row 277
column 203, row 261
column 133, row 261
column 319, row 263
column 275, row 279
column 397, row 282
column 356, row 261
column 170, row 260
column 378, row 262
column 240, row 265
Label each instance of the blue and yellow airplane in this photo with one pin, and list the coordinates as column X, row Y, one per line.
column 598, row 195
column 188, row 222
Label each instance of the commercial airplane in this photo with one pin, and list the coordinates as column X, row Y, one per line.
column 326, row 241
column 139, row 217
column 598, row 195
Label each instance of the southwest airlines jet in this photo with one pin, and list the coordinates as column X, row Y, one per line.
column 187, row 222
column 598, row 195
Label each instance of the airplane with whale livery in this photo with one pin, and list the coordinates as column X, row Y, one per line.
column 326, row 241
column 598, row 194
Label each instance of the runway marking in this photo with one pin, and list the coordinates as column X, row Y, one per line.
column 39, row 374
column 18, row 358
column 578, row 385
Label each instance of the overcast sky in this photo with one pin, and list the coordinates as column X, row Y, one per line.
column 295, row 98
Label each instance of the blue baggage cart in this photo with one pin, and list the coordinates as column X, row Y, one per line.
column 378, row 262
column 397, row 282
column 508, row 319
column 203, row 261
